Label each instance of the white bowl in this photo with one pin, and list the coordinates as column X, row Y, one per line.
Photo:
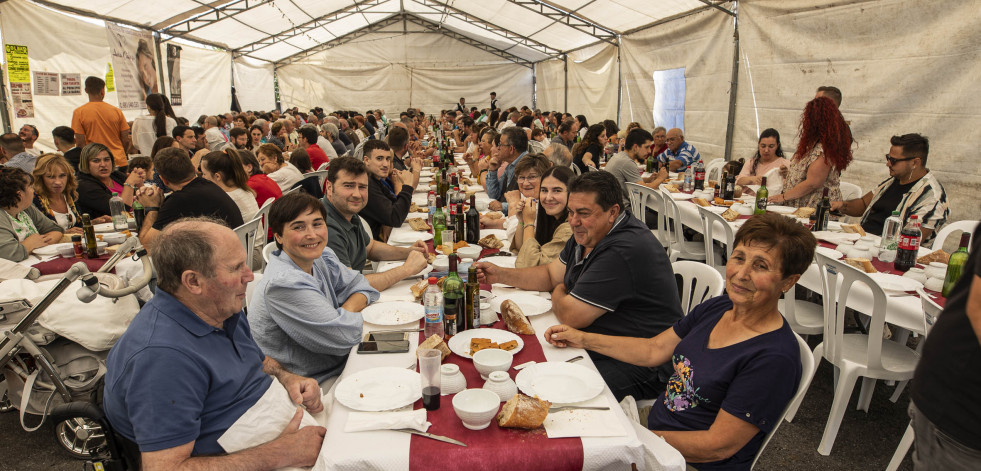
column 934, row 284
column 936, row 270
column 472, row 252
column 476, row 407
column 114, row 239
column 66, row 251
column 492, row 359
column 451, row 379
column 442, row 263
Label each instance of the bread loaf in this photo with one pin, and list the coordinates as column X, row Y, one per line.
column 730, row 215
column 863, row 264
column 804, row 212
column 935, row 256
column 853, row 229
column 701, row 202
column 671, row 187
column 490, row 242
column 418, row 224
column 435, row 342
column 515, row 319
column 523, row 412
column 419, row 287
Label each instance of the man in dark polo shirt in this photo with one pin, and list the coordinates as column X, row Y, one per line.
column 347, row 194
column 192, row 196
column 612, row 278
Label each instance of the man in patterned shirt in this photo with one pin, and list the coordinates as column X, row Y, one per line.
column 679, row 154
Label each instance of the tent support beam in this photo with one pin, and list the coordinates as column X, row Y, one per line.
column 442, row 7
column 344, row 39
column 733, row 88
column 559, row 15
column 565, row 103
column 619, row 83
column 717, row 7
column 434, row 28
column 299, row 30
column 209, row 17
column 534, row 87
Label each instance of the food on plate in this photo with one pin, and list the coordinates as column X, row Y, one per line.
column 493, row 215
column 804, row 212
column 523, row 412
column 430, row 258
column 478, row 344
column 509, row 345
column 459, row 245
column 721, row 202
column 730, row 215
column 436, row 343
column 415, row 208
column 419, row 287
column 490, row 242
column 863, row 264
column 935, row 256
column 515, row 319
column 672, row 188
column 418, row 224
column 853, row 229
column 701, row 202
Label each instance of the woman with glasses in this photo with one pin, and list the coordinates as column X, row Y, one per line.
column 823, row 152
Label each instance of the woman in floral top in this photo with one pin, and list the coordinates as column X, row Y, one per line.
column 823, row 152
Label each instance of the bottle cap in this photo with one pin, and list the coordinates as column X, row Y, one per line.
column 432, row 280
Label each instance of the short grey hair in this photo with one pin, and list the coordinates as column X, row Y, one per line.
column 330, row 129
column 185, row 244
column 260, row 122
column 559, row 154
column 659, row 129
column 333, row 120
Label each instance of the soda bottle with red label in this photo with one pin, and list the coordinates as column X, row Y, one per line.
column 699, row 175
column 909, row 245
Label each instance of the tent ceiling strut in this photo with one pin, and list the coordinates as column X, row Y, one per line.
column 558, row 15
column 447, row 10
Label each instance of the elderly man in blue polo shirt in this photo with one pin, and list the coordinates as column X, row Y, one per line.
column 612, row 277
column 679, row 154
column 188, row 368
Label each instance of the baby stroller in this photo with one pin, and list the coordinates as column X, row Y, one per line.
column 47, row 372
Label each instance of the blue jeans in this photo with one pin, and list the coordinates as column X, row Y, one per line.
column 933, row 449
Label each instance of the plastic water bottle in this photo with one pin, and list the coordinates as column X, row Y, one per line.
column 431, row 200
column 433, row 300
column 118, row 210
column 689, row 179
column 890, row 238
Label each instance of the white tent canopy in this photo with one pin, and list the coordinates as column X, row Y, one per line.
column 903, row 65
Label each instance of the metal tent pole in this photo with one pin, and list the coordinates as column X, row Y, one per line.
column 734, row 85
column 565, row 105
column 619, row 82
column 534, row 86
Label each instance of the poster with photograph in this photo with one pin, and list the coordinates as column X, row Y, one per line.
column 21, row 99
column 133, row 63
column 18, row 68
column 71, row 84
column 46, row 83
column 174, row 72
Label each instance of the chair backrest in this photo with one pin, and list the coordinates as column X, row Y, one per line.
column 947, row 229
column 712, row 222
column 247, row 234
column 673, row 213
column 930, row 310
column 838, row 279
column 263, row 213
column 638, row 200
column 807, row 365
column 324, row 166
column 320, row 174
column 655, row 202
column 850, row 191
column 267, row 251
column 713, row 169
column 699, row 282
column 291, row 190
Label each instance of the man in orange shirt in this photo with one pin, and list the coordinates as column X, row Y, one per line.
column 98, row 121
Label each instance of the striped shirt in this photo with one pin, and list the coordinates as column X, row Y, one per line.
column 926, row 199
column 687, row 154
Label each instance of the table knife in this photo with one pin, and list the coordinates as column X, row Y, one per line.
column 430, row 435
column 562, row 408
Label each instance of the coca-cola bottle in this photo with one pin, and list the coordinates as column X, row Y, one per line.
column 699, row 175
column 909, row 245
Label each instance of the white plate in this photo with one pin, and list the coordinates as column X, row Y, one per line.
column 421, row 198
column 506, row 262
column 408, row 238
column 393, row 313
column 104, row 227
column 560, row 382
column 890, row 282
column 379, row 389
column 460, row 343
column 426, row 173
column 716, row 209
column 50, row 249
column 832, row 253
column 530, row 304
column 682, row 196
column 393, row 264
column 834, row 226
column 780, row 209
column 501, row 234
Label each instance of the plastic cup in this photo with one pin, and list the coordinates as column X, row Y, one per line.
column 448, row 239
column 429, row 363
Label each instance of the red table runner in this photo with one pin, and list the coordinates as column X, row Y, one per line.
column 59, row 265
column 890, row 268
column 492, row 447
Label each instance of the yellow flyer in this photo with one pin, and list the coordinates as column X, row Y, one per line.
column 110, row 79
column 18, row 68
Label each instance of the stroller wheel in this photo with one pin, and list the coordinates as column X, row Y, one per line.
column 81, row 438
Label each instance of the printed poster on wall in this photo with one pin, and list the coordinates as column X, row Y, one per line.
column 46, row 83
column 71, row 84
column 133, row 63
column 174, row 72
column 20, row 98
column 18, row 68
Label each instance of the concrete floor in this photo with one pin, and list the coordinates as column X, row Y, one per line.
column 866, row 441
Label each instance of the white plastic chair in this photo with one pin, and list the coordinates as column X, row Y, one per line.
column 637, row 199
column 291, row 190
column 710, row 222
column 947, row 229
column 930, row 312
column 267, row 251
column 247, row 234
column 643, row 198
column 849, row 191
column 807, row 367
column 855, row 355
column 321, row 176
column 713, row 169
column 263, row 234
column 805, row 318
column 699, row 282
column 323, row 166
column 678, row 247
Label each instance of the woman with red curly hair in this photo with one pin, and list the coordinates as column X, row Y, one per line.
column 823, row 152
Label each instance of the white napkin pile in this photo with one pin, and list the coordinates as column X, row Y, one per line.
column 388, row 420
column 585, row 423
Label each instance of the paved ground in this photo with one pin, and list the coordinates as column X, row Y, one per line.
column 865, row 441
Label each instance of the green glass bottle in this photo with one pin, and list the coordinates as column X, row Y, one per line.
column 955, row 265
column 454, row 307
column 650, row 164
column 439, row 223
column 762, row 197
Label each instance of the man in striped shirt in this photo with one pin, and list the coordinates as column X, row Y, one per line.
column 679, row 154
